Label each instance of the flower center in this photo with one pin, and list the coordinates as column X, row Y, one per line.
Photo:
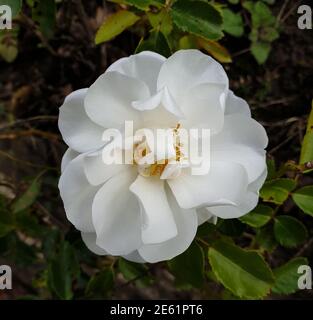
column 163, row 160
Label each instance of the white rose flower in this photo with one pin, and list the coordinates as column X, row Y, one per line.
column 150, row 213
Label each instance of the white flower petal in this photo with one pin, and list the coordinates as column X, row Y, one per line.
column 203, row 107
column 235, row 104
column 226, row 183
column 188, row 68
column 90, row 242
column 77, row 195
column 203, row 215
column 68, row 156
column 116, row 215
column 158, row 223
column 251, row 159
column 249, row 202
column 97, row 171
column 108, row 100
column 144, row 66
column 134, row 257
column 78, row 130
column 239, row 129
column 187, row 222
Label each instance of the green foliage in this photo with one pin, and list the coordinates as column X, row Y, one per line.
column 101, row 284
column 188, row 268
column 115, row 24
column 286, row 276
column 63, row 269
column 199, row 18
column 233, row 23
column 243, row 272
column 289, row 231
column 43, row 13
column 259, row 217
column 8, row 44
column 136, row 272
column 277, row 190
column 265, row 238
column 307, row 143
column 304, row 199
column 263, row 31
column 28, row 198
column 156, row 42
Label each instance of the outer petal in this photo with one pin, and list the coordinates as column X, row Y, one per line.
column 239, row 129
column 189, row 68
column 134, row 257
column 158, row 223
column 68, row 156
column 251, row 159
column 90, row 242
column 247, row 204
column 144, row 66
column 235, row 104
column 77, row 195
column 187, row 223
column 226, row 183
column 78, row 130
column 205, row 216
column 116, row 215
column 108, row 100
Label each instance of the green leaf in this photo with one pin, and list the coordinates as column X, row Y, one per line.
column 261, row 14
column 62, row 270
column 115, row 24
column 199, row 18
column 188, row 267
column 245, row 273
column 101, row 285
column 277, row 191
column 8, row 44
column 161, row 21
column 156, row 42
column 304, row 199
column 215, row 49
column 269, row 34
column 258, row 217
column 307, row 143
column 265, row 238
column 260, row 51
column 29, row 224
column 132, row 271
column 28, row 198
column 289, row 231
column 141, row 4
column 287, row 276
column 231, row 227
column 15, row 6
column 271, row 169
column 233, row 23
column 44, row 13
